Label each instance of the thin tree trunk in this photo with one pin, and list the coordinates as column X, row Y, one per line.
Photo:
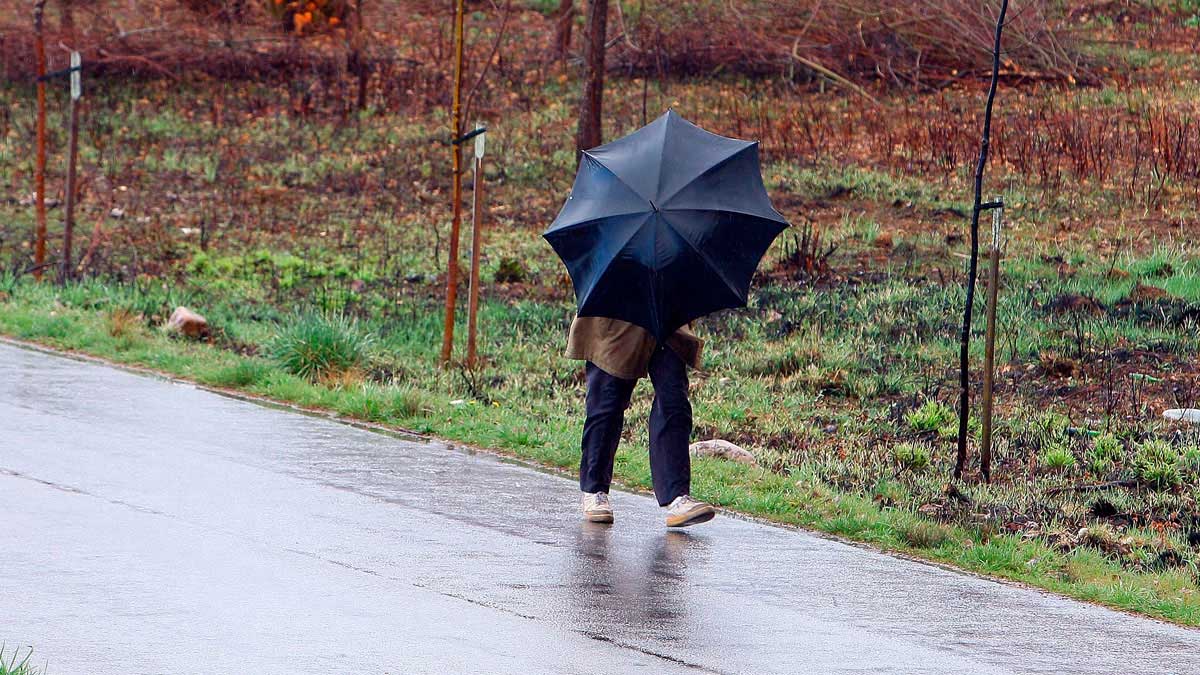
column 592, row 104
column 562, row 29
column 39, row 247
column 358, row 65
column 964, row 397
column 66, row 22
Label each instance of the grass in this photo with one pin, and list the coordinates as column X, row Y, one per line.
column 1157, row 463
column 931, row 416
column 1057, row 458
column 316, row 346
column 13, row 663
column 911, row 456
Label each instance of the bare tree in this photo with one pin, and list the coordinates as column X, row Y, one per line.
column 355, row 62
column 964, row 396
column 562, row 29
column 592, row 102
column 66, row 21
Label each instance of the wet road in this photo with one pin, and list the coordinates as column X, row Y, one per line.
column 151, row 527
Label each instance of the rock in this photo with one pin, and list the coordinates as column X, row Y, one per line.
column 723, row 450
column 1183, row 415
column 31, row 199
column 186, row 322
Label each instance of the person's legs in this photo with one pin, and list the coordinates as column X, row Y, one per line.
column 670, row 427
column 607, row 398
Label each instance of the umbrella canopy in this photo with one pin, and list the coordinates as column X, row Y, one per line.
column 665, row 225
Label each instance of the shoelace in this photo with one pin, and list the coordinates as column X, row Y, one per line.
column 601, row 499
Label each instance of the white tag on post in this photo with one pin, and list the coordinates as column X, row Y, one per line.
column 479, row 142
column 76, row 80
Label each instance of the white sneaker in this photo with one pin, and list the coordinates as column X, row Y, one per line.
column 685, row 511
column 597, row 508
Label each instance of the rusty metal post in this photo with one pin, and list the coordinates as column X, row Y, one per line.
column 989, row 359
column 476, row 241
column 39, row 172
column 456, row 222
column 64, row 271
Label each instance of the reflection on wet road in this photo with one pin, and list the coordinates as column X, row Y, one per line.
column 151, row 527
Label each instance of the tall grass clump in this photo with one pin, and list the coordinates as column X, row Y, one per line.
column 1057, row 457
column 931, row 416
column 318, row 346
column 12, row 663
column 912, row 456
column 1157, row 463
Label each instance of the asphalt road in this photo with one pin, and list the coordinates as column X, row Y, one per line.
column 152, row 527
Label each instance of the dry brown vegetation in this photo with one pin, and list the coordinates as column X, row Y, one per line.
column 927, row 44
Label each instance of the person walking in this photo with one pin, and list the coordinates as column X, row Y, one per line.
column 617, row 355
column 662, row 227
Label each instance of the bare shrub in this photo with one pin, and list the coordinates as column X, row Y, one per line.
column 921, row 43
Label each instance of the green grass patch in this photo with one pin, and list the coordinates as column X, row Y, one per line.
column 13, row 662
column 315, row 346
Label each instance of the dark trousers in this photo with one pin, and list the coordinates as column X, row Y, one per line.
column 670, row 427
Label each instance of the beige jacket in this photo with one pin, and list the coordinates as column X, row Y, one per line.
column 623, row 349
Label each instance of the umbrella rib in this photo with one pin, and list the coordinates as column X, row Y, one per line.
column 716, row 165
column 777, row 219
column 608, row 262
column 590, row 221
column 615, row 175
column 662, row 153
column 704, row 256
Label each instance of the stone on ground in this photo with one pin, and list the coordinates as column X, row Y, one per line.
column 186, row 322
column 724, row 450
column 1183, row 415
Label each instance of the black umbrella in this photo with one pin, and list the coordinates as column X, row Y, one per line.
column 665, row 225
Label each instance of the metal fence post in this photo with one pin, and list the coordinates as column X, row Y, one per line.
column 65, row 272
column 476, row 241
column 989, row 359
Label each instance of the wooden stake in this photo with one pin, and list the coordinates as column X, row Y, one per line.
column 476, row 241
column 964, row 382
column 989, row 359
column 456, row 222
column 64, row 271
column 39, row 173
